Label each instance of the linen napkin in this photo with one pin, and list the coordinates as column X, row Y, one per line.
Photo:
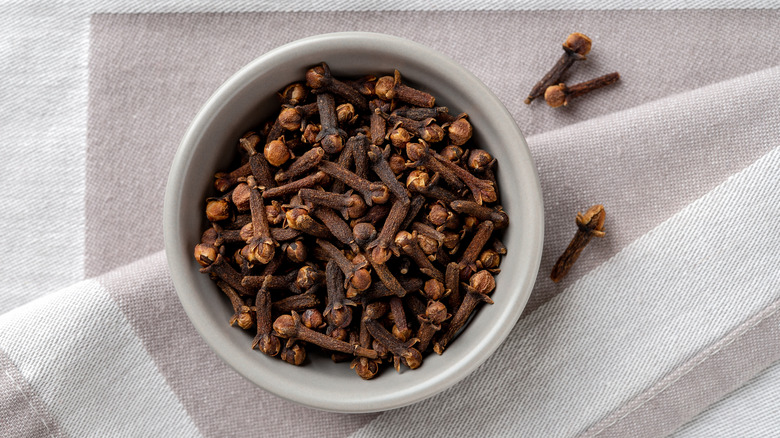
column 667, row 315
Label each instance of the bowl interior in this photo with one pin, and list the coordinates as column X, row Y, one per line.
column 247, row 99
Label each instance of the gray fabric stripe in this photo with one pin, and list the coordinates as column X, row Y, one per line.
column 23, row 414
column 219, row 401
column 163, row 80
column 678, row 397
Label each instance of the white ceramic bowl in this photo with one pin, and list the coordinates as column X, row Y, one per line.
column 248, row 98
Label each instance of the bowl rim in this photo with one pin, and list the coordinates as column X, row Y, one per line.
column 178, row 264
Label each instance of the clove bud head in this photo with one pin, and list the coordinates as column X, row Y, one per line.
column 479, row 159
column 438, row 215
column 341, row 317
column 432, row 133
column 240, row 197
column 415, row 151
column 332, row 143
column 361, row 279
column 460, row 131
column 286, row 327
column 434, row 289
column 489, row 259
column 357, row 206
column 276, row 153
column 555, row 95
column 399, row 137
column 294, row 94
column 269, row 344
column 296, row 251
column 436, row 312
column 380, row 194
column 385, row 87
column 365, row 368
column 205, row 254
column 452, row 153
column 417, row 180
column 261, row 252
column 577, row 43
column 316, row 77
column 217, row 210
column 345, row 113
column 397, row 164
column 310, row 133
column 274, row 213
column 307, row 277
column 244, row 319
column 483, row 282
column 313, row 319
column 290, row 119
column 294, row 355
column 404, row 238
column 364, row 233
column 412, row 358
column 593, row 220
column 401, row 334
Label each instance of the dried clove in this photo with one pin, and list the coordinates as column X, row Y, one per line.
column 408, row 243
column 381, row 248
column 402, row 352
column 420, row 182
column 337, row 310
column 355, row 272
column 302, row 164
column 331, row 137
column 390, row 87
column 298, row 218
column 557, row 95
column 377, row 122
column 257, row 161
column 430, row 323
column 224, row 181
column 265, row 340
column 589, row 225
column 262, row 246
column 371, row 192
column 480, row 285
column 290, row 327
column 313, row 180
column 468, row 260
column 498, row 217
column 382, row 169
column 321, row 80
column 350, row 205
column 241, row 312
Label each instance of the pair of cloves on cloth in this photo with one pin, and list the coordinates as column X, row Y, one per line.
column 556, row 93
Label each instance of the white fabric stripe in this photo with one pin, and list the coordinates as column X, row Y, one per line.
column 750, row 411
column 43, row 101
column 626, row 324
column 81, row 356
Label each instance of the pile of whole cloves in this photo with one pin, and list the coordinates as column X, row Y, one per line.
column 359, row 223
